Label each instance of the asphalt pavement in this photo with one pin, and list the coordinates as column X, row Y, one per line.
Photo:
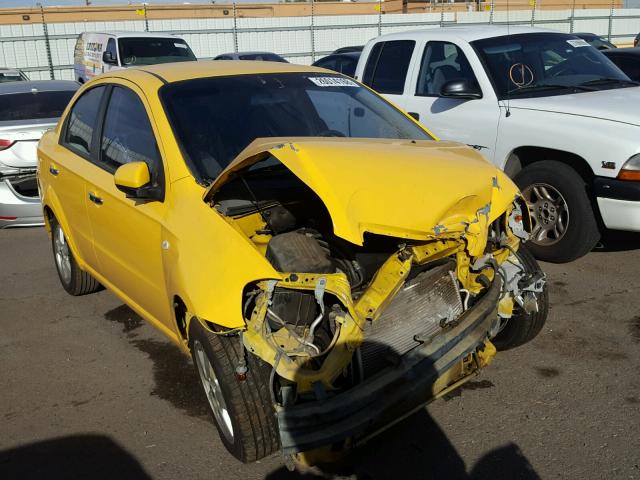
column 88, row 390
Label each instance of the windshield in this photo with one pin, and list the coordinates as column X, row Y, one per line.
column 32, row 106
column 10, row 76
column 214, row 119
column 545, row 64
column 150, row 51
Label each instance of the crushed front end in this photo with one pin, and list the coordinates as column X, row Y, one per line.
column 361, row 335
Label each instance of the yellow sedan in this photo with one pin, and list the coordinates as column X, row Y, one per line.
column 329, row 265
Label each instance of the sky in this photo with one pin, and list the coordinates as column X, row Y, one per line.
column 51, row 3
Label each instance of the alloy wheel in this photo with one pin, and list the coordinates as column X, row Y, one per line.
column 549, row 213
column 62, row 254
column 213, row 391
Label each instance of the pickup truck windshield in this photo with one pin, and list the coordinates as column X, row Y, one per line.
column 150, row 51
column 215, row 118
column 546, row 64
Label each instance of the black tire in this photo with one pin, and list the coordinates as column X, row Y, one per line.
column 248, row 402
column 582, row 232
column 75, row 281
column 522, row 327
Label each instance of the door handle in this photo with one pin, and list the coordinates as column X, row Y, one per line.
column 53, row 170
column 415, row 115
column 95, row 199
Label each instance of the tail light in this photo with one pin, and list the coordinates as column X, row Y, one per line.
column 4, row 144
column 631, row 169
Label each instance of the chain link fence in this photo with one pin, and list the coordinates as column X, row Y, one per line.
column 45, row 50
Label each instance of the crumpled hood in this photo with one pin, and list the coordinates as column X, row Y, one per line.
column 402, row 188
column 616, row 105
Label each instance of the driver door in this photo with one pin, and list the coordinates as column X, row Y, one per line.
column 474, row 122
column 127, row 231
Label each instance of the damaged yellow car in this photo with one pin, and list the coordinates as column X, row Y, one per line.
column 330, row 266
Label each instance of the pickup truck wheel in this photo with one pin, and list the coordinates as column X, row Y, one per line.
column 242, row 409
column 73, row 279
column 523, row 327
column 564, row 224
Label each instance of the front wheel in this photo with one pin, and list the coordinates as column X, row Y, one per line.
column 242, row 409
column 523, row 327
column 564, row 224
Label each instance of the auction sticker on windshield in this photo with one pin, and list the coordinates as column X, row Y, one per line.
column 578, row 42
column 333, row 82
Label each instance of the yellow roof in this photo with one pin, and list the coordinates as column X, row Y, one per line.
column 175, row 72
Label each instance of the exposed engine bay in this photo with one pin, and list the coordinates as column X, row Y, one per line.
column 343, row 313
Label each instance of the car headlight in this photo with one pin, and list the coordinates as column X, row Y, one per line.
column 631, row 169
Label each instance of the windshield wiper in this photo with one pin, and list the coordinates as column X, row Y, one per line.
column 604, row 81
column 547, row 86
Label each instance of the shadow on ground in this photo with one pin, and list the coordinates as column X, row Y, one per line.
column 618, row 241
column 418, row 449
column 94, row 457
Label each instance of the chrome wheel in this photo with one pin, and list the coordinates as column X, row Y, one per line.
column 213, row 391
column 62, row 254
column 549, row 213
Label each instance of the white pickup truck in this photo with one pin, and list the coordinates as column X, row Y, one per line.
column 560, row 118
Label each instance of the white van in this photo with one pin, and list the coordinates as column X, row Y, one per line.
column 96, row 53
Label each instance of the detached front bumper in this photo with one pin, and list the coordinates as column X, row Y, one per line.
column 17, row 210
column 391, row 394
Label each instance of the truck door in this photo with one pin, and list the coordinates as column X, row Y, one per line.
column 470, row 121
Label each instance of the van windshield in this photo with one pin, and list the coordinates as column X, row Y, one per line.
column 214, row 119
column 546, row 64
column 150, row 51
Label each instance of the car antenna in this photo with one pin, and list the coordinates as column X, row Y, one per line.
column 507, row 113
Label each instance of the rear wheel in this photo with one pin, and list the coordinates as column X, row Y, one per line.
column 73, row 279
column 242, row 409
column 564, row 224
column 523, row 327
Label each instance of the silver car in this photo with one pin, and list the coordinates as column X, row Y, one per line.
column 27, row 110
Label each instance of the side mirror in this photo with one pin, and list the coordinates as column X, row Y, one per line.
column 107, row 57
column 134, row 179
column 460, row 88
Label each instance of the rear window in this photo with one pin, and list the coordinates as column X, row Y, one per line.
column 387, row 66
column 33, row 106
column 150, row 51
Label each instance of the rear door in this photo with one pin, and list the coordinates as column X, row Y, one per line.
column 127, row 232
column 388, row 68
column 70, row 163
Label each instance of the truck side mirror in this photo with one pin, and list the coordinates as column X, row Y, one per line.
column 460, row 88
column 107, row 57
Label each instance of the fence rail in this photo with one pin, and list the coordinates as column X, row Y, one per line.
column 45, row 50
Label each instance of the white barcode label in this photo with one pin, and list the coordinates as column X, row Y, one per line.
column 578, row 42
column 333, row 82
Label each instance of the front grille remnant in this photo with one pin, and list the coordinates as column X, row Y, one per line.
column 419, row 308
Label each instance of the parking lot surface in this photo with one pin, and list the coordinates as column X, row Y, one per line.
column 88, row 390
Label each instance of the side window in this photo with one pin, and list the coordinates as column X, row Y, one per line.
column 82, row 121
column 387, row 66
column 441, row 63
column 111, row 48
column 127, row 135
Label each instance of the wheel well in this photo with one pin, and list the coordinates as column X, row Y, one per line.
column 48, row 216
column 522, row 157
column 180, row 311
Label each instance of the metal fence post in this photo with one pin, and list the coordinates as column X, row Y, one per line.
column 379, row 17
column 533, row 12
column 610, row 21
column 491, row 5
column 235, row 29
column 313, row 35
column 441, row 13
column 46, row 41
column 573, row 16
column 146, row 20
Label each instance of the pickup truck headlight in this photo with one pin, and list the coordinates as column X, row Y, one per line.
column 631, row 169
